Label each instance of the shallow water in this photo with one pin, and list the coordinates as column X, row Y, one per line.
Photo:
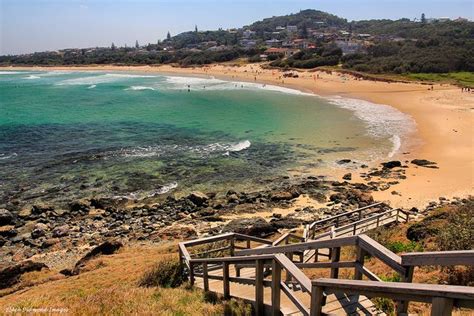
column 67, row 135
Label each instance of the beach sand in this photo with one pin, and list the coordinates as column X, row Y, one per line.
column 444, row 120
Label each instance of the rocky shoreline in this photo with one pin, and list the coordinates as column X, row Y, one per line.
column 59, row 236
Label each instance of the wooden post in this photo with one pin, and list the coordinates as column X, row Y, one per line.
column 360, row 260
column 225, row 279
column 276, row 288
column 402, row 306
column 335, row 256
column 398, row 211
column 337, row 221
column 248, row 243
column 232, row 246
column 191, row 274
column 288, row 276
column 378, row 221
column 259, row 287
column 355, row 229
column 360, row 215
column 441, row 306
column 205, row 277
column 317, row 301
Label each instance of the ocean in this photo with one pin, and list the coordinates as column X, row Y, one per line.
column 68, row 135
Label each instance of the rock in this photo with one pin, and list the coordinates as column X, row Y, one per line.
column 49, row 242
column 61, row 231
column 9, row 276
column 391, row 164
column 175, row 232
column 25, row 213
column 286, row 222
column 424, row 163
column 6, row 217
column 106, row 248
column 39, row 230
column 255, row 226
column 198, row 198
column 40, row 209
column 232, row 198
column 343, row 161
column 347, row 176
column 78, row 207
column 8, row 231
column 285, row 195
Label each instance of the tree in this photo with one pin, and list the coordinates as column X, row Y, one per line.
column 196, row 28
column 136, row 45
column 423, row 18
column 168, row 36
column 112, row 46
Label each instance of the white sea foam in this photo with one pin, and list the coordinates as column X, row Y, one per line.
column 139, row 88
column 14, row 72
column 164, row 189
column 92, row 86
column 382, row 121
column 200, row 150
column 212, row 83
column 9, row 156
column 32, row 77
column 106, row 78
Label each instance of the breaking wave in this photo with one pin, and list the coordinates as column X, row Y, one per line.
column 139, row 88
column 106, row 78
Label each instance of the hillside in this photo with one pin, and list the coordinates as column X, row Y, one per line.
column 307, row 39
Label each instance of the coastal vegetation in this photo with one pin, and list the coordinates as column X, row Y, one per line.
column 308, row 39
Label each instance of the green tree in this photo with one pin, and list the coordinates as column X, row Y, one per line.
column 196, row 28
column 168, row 36
column 423, row 18
column 136, row 45
column 112, row 46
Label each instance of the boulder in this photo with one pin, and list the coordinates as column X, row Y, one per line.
column 347, row 176
column 106, row 248
column 9, row 276
column 391, row 164
column 424, row 163
column 198, row 198
column 286, row 222
column 175, row 232
column 6, row 217
column 40, row 209
column 39, row 230
column 256, row 226
column 78, row 206
column 343, row 161
column 285, row 195
column 25, row 213
column 60, row 231
column 8, row 231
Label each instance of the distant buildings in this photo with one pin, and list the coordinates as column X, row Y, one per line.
column 292, row 28
column 273, row 43
column 287, row 52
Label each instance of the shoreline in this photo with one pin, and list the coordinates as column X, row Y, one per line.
column 444, row 122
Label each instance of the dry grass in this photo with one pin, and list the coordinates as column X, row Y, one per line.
column 109, row 287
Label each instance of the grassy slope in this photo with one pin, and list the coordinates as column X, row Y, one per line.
column 110, row 287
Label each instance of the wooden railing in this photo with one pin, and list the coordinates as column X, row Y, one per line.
column 442, row 297
column 320, row 226
column 365, row 224
column 280, row 256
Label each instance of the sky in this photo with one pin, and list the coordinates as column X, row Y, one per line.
column 38, row 25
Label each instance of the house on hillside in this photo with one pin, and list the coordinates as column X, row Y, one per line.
column 248, row 43
column 273, row 43
column 292, row 28
column 349, row 46
column 287, row 52
column 248, row 33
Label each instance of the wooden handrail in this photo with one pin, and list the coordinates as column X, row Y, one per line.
column 320, row 244
column 443, row 297
column 379, row 251
column 311, row 226
column 439, row 258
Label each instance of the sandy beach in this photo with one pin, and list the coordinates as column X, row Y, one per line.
column 444, row 120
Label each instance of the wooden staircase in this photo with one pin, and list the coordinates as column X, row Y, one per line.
column 272, row 276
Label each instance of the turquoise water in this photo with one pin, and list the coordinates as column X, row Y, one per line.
column 67, row 135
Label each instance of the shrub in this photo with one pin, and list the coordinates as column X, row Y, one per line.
column 385, row 305
column 399, row 246
column 166, row 273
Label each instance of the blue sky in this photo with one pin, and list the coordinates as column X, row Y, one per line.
column 38, row 25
